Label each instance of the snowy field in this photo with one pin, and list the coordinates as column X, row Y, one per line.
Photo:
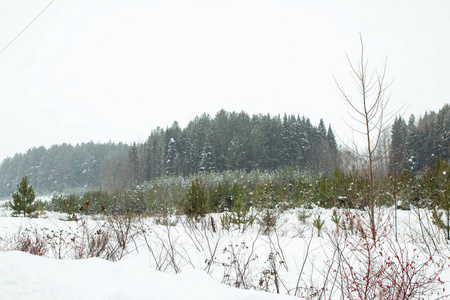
column 171, row 258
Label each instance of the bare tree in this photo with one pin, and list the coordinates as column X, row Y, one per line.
column 369, row 112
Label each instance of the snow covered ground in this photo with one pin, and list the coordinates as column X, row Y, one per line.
column 191, row 261
column 26, row 276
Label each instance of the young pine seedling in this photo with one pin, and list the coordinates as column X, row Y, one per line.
column 336, row 219
column 318, row 223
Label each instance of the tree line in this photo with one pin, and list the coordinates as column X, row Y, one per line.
column 60, row 168
column 233, row 141
column 226, row 142
column 417, row 144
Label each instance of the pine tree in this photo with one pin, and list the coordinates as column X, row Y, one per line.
column 23, row 198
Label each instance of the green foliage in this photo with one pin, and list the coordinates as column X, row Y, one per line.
column 436, row 217
column 240, row 214
column 232, row 141
column 300, row 158
column 342, row 186
column 397, row 155
column 267, row 207
column 303, row 214
column 318, row 224
column 195, row 204
column 443, row 202
column 268, row 219
column 94, row 202
column 336, row 219
column 222, row 195
column 264, row 192
column 23, row 198
column 65, row 203
column 225, row 221
column 324, row 193
column 427, row 139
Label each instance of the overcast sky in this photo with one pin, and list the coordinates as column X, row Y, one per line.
column 112, row 70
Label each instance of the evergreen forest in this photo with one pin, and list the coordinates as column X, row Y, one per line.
column 227, row 142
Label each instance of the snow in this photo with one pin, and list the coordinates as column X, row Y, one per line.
column 26, row 276
column 301, row 259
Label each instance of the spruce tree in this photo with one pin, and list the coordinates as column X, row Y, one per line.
column 171, row 158
column 412, row 144
column 23, row 198
column 207, row 160
column 398, row 152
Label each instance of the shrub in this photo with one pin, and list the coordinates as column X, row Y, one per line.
column 30, row 241
column 195, row 202
column 91, row 241
column 93, row 202
column 69, row 204
column 385, row 269
column 268, row 219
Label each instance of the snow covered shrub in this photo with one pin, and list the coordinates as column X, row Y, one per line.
column 59, row 242
column 42, row 242
column 90, row 241
column 238, row 271
column 195, row 202
column 163, row 246
column 384, row 268
column 268, row 218
column 122, row 229
column 28, row 240
column 224, row 194
column 270, row 277
column 166, row 220
column 105, row 239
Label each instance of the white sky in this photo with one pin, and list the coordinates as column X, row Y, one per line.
column 116, row 69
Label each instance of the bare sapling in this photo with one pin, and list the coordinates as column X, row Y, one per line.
column 372, row 118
